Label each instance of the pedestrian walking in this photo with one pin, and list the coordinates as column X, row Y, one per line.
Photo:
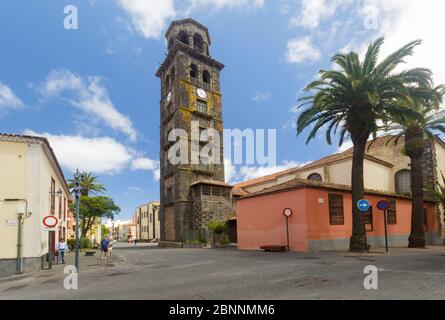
column 61, row 247
column 104, row 246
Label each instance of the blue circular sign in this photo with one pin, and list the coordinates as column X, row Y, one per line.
column 383, row 205
column 363, row 205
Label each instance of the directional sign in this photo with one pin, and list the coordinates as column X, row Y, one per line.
column 383, row 205
column 363, row 205
column 50, row 221
column 287, row 212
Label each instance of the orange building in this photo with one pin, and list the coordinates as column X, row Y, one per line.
column 322, row 219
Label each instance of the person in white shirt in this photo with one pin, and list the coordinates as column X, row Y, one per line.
column 61, row 248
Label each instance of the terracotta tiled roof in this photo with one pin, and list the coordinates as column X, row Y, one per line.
column 297, row 184
column 318, row 163
column 35, row 139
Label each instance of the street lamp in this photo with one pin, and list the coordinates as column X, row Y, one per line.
column 77, row 191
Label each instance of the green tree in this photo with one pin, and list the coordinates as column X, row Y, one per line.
column 89, row 184
column 94, row 209
column 418, row 132
column 356, row 98
column 104, row 230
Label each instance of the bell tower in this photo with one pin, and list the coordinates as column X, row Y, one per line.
column 190, row 94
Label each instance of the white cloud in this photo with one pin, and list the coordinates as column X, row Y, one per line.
column 8, row 99
column 147, row 164
column 301, row 50
column 402, row 21
column 221, row 4
column 99, row 155
column 149, row 17
column 313, row 11
column 261, row 96
column 134, row 189
column 252, row 172
column 89, row 95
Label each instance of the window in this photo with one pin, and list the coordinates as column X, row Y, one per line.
column 392, row 212
column 368, row 220
column 197, row 42
column 205, row 190
column 53, row 196
column 206, row 76
column 64, row 209
column 403, row 182
column 183, row 37
column 201, row 106
column 216, row 192
column 151, row 219
column 169, row 194
column 193, row 71
column 167, row 82
column 315, row 177
column 59, row 192
column 336, row 214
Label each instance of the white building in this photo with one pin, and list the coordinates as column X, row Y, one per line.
column 32, row 186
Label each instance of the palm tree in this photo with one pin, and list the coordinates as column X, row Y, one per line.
column 417, row 132
column 89, row 184
column 356, row 98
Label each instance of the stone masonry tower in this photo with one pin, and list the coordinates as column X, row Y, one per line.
column 190, row 93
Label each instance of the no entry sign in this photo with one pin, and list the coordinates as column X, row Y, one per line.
column 50, row 221
column 287, row 212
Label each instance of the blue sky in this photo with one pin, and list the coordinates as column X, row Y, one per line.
column 93, row 91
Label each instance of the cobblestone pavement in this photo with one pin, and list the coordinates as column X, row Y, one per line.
column 147, row 272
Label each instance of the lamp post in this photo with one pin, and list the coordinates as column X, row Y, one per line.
column 78, row 177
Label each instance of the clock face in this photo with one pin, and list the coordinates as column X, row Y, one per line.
column 169, row 96
column 201, row 93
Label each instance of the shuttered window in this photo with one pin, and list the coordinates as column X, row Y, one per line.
column 392, row 212
column 336, row 214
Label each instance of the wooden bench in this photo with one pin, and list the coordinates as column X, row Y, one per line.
column 273, row 248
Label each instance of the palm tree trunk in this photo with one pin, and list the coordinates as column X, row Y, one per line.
column 357, row 242
column 414, row 146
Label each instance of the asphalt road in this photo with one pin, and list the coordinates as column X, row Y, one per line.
column 146, row 272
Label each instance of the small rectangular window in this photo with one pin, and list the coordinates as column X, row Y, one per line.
column 201, row 106
column 368, row 220
column 392, row 212
column 53, row 196
column 216, row 192
column 336, row 214
column 205, row 190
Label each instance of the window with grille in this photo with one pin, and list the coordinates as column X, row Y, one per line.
column 216, row 192
column 201, row 106
column 403, row 182
column 336, row 214
column 205, row 191
column 392, row 212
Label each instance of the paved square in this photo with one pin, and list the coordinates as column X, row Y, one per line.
column 144, row 272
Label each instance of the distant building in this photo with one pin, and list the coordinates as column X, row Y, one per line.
column 32, row 185
column 147, row 221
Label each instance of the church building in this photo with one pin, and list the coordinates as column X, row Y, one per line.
column 192, row 194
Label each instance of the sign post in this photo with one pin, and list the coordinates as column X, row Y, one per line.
column 287, row 213
column 49, row 222
column 363, row 205
column 384, row 206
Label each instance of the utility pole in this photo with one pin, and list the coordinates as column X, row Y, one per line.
column 78, row 177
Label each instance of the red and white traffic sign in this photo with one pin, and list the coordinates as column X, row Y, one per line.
column 50, row 221
column 287, row 212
